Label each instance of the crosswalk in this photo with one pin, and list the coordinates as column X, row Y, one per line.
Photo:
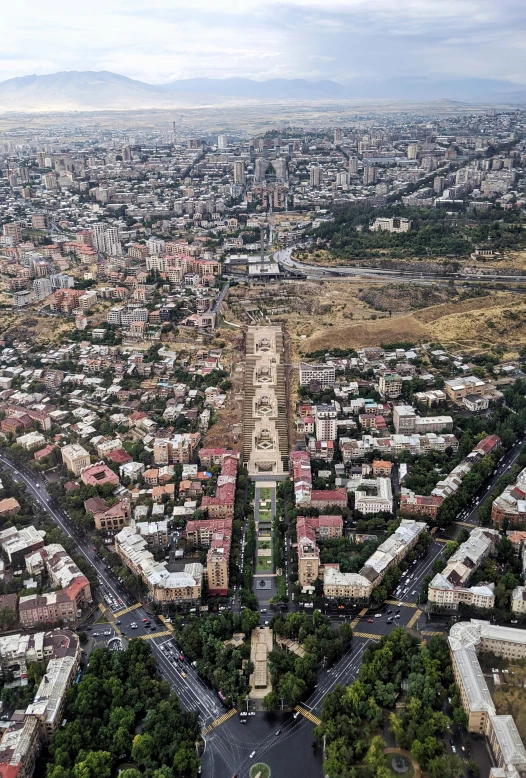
column 166, row 623
column 404, row 604
column 308, row 715
column 219, row 721
column 118, row 614
column 355, row 621
column 428, row 633
column 368, row 635
column 161, row 634
column 416, row 615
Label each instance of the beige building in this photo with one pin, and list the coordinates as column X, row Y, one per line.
column 458, row 388
column 217, row 569
column 308, row 561
column 163, row 585
column 75, row 457
column 352, row 586
column 50, row 699
column 465, row 640
column 390, row 385
column 518, row 600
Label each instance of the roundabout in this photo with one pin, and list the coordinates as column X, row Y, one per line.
column 260, row 770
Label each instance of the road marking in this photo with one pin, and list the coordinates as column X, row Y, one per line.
column 362, row 613
column 118, row 614
column 166, row 624
column 308, row 715
column 160, row 634
column 416, row 615
column 464, row 524
column 443, row 540
column 366, row 635
column 401, row 602
column 107, row 613
column 219, row 721
column 426, row 632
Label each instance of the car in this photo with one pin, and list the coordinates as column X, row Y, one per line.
column 400, row 603
column 278, row 732
column 389, row 611
column 389, row 620
column 108, row 632
column 133, row 625
column 96, row 634
column 118, row 621
column 145, row 621
column 181, row 658
column 252, row 755
column 295, row 716
column 453, row 750
column 370, row 621
column 377, row 615
column 514, row 621
column 413, row 592
column 397, row 615
column 263, row 610
column 451, row 741
column 183, row 675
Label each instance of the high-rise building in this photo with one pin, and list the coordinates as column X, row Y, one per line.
column 260, row 168
column 412, row 151
column 315, row 176
column 239, row 172
column 50, row 181
column 12, row 230
column 106, row 239
column 369, row 175
column 338, row 134
column 222, row 142
column 280, row 168
column 353, row 165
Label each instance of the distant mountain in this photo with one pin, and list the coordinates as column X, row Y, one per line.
column 91, row 91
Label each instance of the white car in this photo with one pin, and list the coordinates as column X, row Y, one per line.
column 133, row 625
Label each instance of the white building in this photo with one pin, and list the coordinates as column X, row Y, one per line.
column 372, row 495
column 326, row 422
column 324, row 374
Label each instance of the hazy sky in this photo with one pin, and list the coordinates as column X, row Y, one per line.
column 163, row 40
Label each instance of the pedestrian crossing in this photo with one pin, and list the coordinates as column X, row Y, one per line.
column 405, row 604
column 218, row 722
column 430, row 634
column 416, row 615
column 368, row 635
column 161, row 634
column 355, row 621
column 308, row 715
column 166, row 624
column 118, row 614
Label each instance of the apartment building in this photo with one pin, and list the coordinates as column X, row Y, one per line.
column 325, row 375
column 221, row 506
column 510, row 506
column 393, row 550
column 371, row 495
column 299, row 462
column 75, row 457
column 449, row 588
column 216, row 535
column 19, row 747
column 179, row 449
column 73, row 589
column 99, row 475
column 48, row 704
column 355, row 450
column 406, row 421
column 154, row 532
column 346, row 586
column 326, row 422
column 518, row 600
column 322, row 498
column 309, row 530
column 390, row 385
column 16, row 544
column 465, row 640
column 419, row 505
column 163, row 586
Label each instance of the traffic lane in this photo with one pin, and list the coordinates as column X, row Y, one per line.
column 41, row 496
column 504, row 467
column 290, row 753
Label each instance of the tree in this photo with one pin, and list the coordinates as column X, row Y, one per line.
column 185, row 763
column 130, row 773
column 460, row 717
column 291, row 689
column 96, row 764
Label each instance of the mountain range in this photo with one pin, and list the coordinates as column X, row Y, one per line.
column 102, row 90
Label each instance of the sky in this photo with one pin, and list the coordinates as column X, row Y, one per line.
column 163, row 40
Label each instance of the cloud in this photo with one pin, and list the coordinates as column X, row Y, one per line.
column 163, row 40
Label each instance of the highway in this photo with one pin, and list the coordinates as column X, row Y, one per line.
column 340, row 272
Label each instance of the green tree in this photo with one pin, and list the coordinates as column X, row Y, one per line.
column 95, row 764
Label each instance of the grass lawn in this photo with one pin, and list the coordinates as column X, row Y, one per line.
column 263, row 543
column 264, row 564
column 260, row 770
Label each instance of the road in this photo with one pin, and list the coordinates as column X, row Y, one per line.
column 284, row 257
column 192, row 692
